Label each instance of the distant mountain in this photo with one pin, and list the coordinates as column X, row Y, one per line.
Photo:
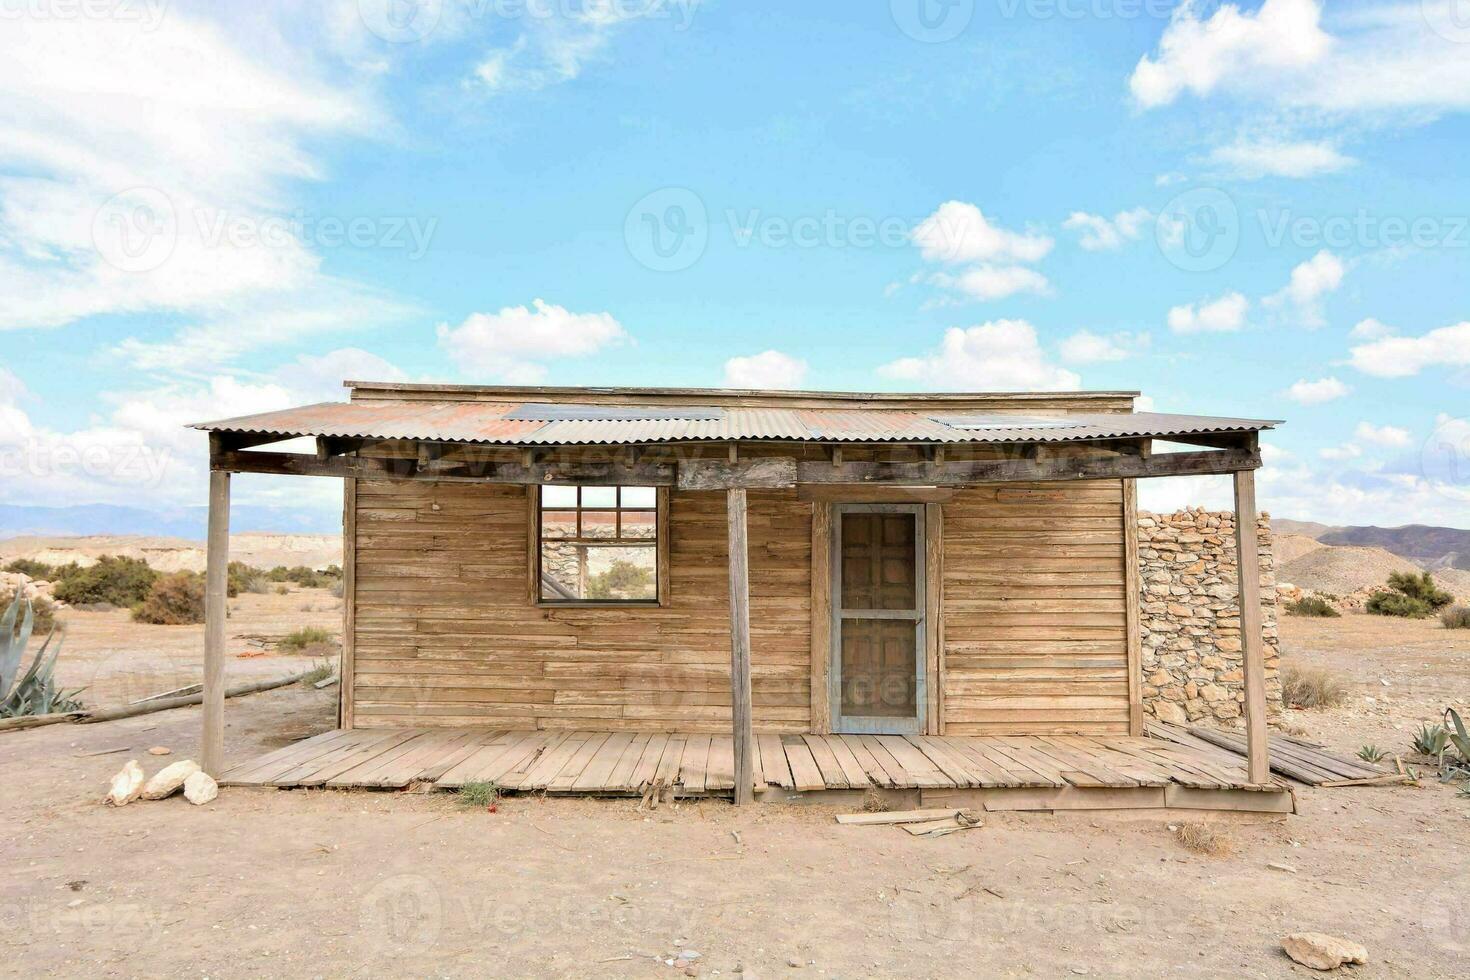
column 1428, row 547
column 181, row 522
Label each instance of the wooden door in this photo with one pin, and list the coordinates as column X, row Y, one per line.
column 878, row 677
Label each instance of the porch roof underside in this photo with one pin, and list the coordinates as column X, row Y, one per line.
column 559, row 424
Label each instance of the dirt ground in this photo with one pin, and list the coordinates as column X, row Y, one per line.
column 330, row 883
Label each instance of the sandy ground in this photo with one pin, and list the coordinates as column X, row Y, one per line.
column 329, row 883
column 118, row 661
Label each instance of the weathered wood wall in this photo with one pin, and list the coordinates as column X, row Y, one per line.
column 445, row 633
column 1034, row 600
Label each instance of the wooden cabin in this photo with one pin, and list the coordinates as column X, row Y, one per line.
column 559, row 588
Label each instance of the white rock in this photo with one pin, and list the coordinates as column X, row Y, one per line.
column 170, row 779
column 1321, row 951
column 200, row 788
column 126, row 785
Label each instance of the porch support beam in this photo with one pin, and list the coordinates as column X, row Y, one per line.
column 740, row 710
column 1248, row 573
column 1046, row 469
column 449, row 471
column 719, row 474
column 216, row 584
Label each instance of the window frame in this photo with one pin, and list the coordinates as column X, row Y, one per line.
column 659, row 544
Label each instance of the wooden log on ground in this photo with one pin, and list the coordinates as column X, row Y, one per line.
column 184, row 701
column 37, row 721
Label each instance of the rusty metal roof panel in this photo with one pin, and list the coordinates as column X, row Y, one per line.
column 513, row 425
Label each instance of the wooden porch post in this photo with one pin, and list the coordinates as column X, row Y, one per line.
column 1248, row 574
column 216, row 584
column 740, row 647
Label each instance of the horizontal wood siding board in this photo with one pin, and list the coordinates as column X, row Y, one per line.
column 1034, row 609
column 446, row 635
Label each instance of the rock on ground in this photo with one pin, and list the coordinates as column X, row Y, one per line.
column 169, row 780
column 200, row 788
column 1321, row 951
column 126, row 785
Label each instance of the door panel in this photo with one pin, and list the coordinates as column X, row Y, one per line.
column 878, row 673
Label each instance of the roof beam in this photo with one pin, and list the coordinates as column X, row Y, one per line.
column 374, row 468
column 719, row 474
column 1045, row 469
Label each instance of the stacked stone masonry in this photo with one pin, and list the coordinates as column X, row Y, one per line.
column 1190, row 619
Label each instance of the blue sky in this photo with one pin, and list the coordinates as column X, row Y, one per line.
column 1262, row 210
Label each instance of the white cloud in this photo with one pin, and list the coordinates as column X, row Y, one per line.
column 1311, row 282
column 1402, row 357
column 1222, row 315
column 987, row 282
column 1086, row 347
column 1306, row 392
column 959, row 233
column 515, row 343
column 553, row 48
column 1000, row 355
column 140, row 453
column 1280, row 158
column 1102, row 234
column 1380, row 59
column 1197, row 55
column 1371, row 329
column 150, row 171
column 1346, row 451
column 769, row 369
column 1382, row 435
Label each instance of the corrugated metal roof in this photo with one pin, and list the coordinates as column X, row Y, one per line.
column 494, row 423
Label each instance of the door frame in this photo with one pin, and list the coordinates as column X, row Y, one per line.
column 875, row 725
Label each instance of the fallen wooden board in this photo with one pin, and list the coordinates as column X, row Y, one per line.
column 176, row 692
column 1289, row 757
column 962, row 820
column 897, row 817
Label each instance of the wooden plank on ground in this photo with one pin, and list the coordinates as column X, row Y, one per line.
column 261, row 769
column 356, row 775
column 647, row 768
column 350, row 760
column 720, row 771
column 594, row 776
column 564, row 781
column 894, row 817
column 477, row 740
column 692, row 765
column 620, row 780
column 667, row 772
column 358, row 741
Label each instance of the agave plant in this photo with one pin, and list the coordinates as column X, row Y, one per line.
column 34, row 692
column 1370, row 753
column 1459, row 738
column 1431, row 740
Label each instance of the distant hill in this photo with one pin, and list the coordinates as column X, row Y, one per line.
column 1428, row 547
column 182, row 522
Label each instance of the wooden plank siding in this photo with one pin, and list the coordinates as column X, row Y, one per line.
column 445, row 635
column 1034, row 598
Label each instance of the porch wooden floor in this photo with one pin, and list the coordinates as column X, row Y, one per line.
column 1068, row 767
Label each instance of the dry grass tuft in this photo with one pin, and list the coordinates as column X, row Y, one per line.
column 873, row 802
column 1202, row 838
column 1313, row 687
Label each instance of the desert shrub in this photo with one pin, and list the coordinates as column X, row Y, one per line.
column 319, row 672
column 622, row 580
column 176, row 599
column 1201, row 838
column 1396, row 604
column 246, row 578
column 31, row 568
column 1456, row 618
column 1412, row 596
column 1311, row 606
column 338, row 588
column 304, row 638
column 1312, row 687
column 479, row 794
column 113, row 579
column 307, row 578
column 45, row 615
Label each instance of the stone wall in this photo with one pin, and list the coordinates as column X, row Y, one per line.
column 1190, row 621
